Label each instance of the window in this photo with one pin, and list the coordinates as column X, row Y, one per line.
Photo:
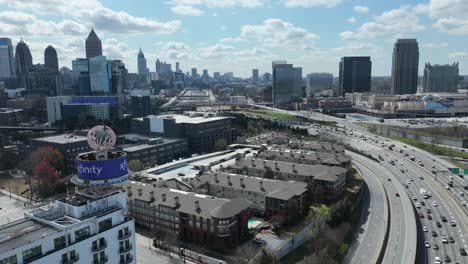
column 60, row 242
column 82, row 234
column 105, row 224
column 10, row 260
column 31, row 254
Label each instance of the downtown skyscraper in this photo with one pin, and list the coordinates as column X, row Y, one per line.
column 405, row 63
column 23, row 63
column 354, row 75
column 441, row 78
column 287, row 83
column 50, row 58
column 93, row 45
column 7, row 60
column 142, row 67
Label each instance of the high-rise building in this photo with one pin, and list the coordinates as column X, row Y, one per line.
column 194, row 73
column 440, row 78
column 45, row 81
column 7, row 60
column 287, row 83
column 99, row 75
column 216, row 76
column 142, row 69
column 405, row 63
column 177, row 67
column 205, row 75
column 255, row 75
column 50, row 58
column 317, row 82
column 80, row 77
column 93, row 45
column 267, row 76
column 141, row 106
column 355, row 75
column 23, row 63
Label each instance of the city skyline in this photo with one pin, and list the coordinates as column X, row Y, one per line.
column 207, row 35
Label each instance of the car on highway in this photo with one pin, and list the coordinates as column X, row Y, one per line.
column 434, row 233
column 421, row 215
column 438, row 224
column 388, row 179
column 437, row 260
column 428, row 211
column 462, row 252
column 447, row 187
column 447, row 259
column 435, row 247
column 397, row 194
column 415, row 198
column 406, row 186
column 423, row 203
column 444, row 240
column 463, row 203
column 444, row 219
column 462, row 194
column 429, row 217
column 451, row 240
column 434, row 204
column 418, row 206
column 425, row 229
column 427, row 244
column 453, row 223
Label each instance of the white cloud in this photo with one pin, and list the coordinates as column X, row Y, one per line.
column 186, row 10
column 351, row 20
column 452, row 25
column 445, row 8
column 232, row 40
column 93, row 13
column 458, row 55
column 431, row 45
column 215, row 51
column 361, row 9
column 311, row 3
column 278, row 33
column 395, row 21
column 358, row 48
column 219, row 3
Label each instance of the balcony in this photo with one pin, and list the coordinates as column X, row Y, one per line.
column 128, row 260
column 75, row 259
column 124, row 250
column 102, row 261
column 100, row 247
column 125, row 236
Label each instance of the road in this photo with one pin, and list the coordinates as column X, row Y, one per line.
column 374, row 218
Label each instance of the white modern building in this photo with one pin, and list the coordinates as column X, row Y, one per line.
column 89, row 227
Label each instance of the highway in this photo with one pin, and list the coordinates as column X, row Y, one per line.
column 374, row 218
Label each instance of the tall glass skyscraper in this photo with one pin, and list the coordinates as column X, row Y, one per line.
column 99, row 75
column 80, row 77
column 287, row 83
column 93, row 45
column 7, row 61
column 50, row 58
column 23, row 63
column 354, row 75
column 405, row 62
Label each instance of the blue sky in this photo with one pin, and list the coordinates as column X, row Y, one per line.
column 238, row 35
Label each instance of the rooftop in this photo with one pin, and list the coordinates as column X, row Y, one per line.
column 137, row 147
column 304, row 156
column 186, row 202
column 62, row 139
column 179, row 119
column 21, row 232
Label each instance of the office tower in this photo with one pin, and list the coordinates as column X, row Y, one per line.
column 228, row 75
column 158, row 66
column 142, row 69
column 255, row 75
column 93, row 45
column 317, row 82
column 45, row 81
column 141, row 106
column 405, row 63
column 80, row 77
column 205, row 75
column 50, row 58
column 440, row 78
column 23, row 63
column 7, row 60
column 287, row 83
column 177, row 67
column 194, row 73
column 99, row 75
column 354, row 75
column 217, row 76
column 267, row 76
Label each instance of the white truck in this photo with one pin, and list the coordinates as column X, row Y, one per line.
column 423, row 193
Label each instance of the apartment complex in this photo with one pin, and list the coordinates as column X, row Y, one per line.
column 202, row 219
column 326, row 183
column 306, row 157
column 88, row 227
column 268, row 197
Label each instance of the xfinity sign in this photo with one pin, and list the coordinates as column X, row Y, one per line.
column 102, row 169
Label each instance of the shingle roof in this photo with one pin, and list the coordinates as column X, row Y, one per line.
column 304, row 156
column 186, row 202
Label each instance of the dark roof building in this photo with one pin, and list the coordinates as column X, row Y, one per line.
column 23, row 63
column 206, row 220
column 405, row 63
column 93, row 45
column 306, row 157
column 354, row 75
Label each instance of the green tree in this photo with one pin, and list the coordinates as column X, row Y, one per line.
column 220, row 144
column 136, row 165
column 50, row 155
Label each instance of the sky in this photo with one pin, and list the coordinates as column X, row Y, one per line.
column 240, row 35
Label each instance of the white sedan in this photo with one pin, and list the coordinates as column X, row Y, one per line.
column 434, row 203
column 425, row 229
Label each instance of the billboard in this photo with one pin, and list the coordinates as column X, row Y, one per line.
column 102, row 169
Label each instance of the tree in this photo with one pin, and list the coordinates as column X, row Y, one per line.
column 136, row 165
column 46, row 177
column 267, row 257
column 50, row 155
column 220, row 144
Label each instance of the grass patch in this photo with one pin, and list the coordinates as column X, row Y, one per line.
column 456, row 163
column 15, row 185
column 433, row 149
column 271, row 114
column 363, row 124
